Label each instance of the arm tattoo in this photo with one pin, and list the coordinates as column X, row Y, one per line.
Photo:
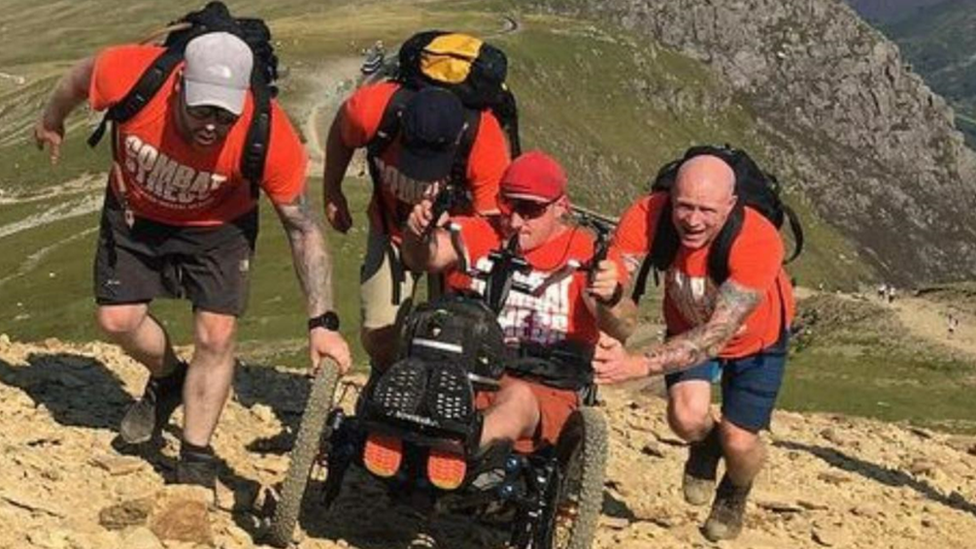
column 310, row 255
column 734, row 304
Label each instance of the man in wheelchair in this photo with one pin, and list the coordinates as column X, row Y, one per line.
column 563, row 294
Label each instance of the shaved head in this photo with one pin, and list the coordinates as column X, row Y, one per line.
column 709, row 172
column 702, row 199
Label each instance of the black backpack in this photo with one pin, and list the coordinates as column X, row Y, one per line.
column 754, row 187
column 473, row 70
column 214, row 17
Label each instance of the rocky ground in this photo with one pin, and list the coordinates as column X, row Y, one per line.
column 65, row 482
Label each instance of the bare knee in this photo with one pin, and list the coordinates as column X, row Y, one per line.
column 214, row 333
column 514, row 413
column 117, row 320
column 737, row 441
column 689, row 412
column 519, row 396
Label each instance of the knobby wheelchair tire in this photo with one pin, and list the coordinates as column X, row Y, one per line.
column 582, row 454
column 303, row 454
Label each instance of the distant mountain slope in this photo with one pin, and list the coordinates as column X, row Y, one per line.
column 865, row 139
column 940, row 43
column 886, row 11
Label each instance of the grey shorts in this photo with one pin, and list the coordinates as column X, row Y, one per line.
column 208, row 266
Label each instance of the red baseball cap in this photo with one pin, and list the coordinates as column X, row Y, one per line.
column 534, row 176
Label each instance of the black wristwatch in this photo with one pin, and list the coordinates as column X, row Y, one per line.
column 328, row 320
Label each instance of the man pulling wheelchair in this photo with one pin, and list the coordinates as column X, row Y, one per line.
column 555, row 305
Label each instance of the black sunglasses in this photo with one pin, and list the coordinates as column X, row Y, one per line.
column 207, row 112
column 527, row 209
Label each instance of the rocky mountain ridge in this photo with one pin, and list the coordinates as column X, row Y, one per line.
column 871, row 147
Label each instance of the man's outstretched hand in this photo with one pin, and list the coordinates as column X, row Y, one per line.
column 337, row 211
column 613, row 364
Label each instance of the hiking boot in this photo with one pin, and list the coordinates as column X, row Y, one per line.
column 728, row 510
column 446, row 469
column 197, row 466
column 700, row 469
column 146, row 417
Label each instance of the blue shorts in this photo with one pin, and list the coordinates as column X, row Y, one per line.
column 749, row 384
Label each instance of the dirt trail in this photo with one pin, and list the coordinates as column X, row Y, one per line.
column 929, row 320
column 923, row 318
column 845, row 482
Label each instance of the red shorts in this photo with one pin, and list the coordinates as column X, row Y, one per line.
column 555, row 406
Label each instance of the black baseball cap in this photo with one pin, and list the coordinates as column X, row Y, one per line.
column 431, row 127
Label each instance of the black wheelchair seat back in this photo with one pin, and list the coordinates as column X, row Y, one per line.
column 458, row 328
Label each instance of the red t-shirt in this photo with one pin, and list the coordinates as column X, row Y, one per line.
column 560, row 312
column 169, row 181
column 755, row 261
column 362, row 115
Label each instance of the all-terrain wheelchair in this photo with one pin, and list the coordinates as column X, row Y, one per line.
column 450, row 348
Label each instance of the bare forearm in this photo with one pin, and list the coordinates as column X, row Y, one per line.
column 313, row 264
column 619, row 321
column 417, row 251
column 337, row 158
column 70, row 91
column 733, row 305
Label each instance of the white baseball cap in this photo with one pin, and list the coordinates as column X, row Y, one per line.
column 218, row 71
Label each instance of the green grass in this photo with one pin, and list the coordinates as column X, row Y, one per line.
column 891, row 387
column 827, row 259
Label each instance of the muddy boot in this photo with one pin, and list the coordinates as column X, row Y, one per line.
column 146, row 417
column 700, row 469
column 728, row 510
column 197, row 465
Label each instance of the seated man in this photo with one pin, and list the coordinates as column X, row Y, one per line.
column 533, row 204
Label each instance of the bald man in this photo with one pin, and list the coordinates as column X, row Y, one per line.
column 736, row 329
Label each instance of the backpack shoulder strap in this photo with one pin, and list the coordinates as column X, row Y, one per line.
column 390, row 122
column 459, row 170
column 663, row 250
column 797, row 232
column 140, row 94
column 506, row 111
column 718, row 256
column 255, row 152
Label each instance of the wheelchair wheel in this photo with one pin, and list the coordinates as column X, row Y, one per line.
column 577, row 497
column 303, row 455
